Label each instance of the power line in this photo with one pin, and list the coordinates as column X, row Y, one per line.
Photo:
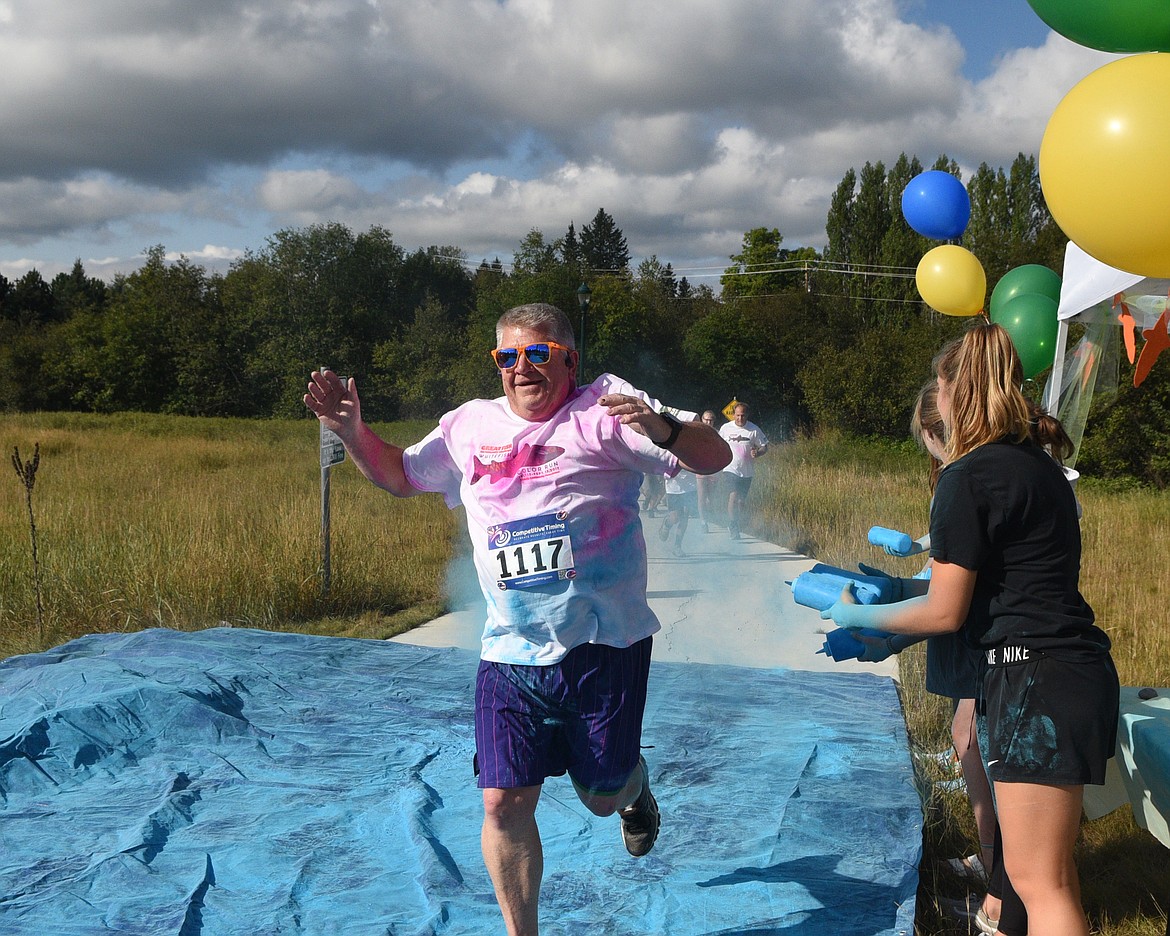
column 845, row 268
column 867, row 298
column 840, row 270
column 808, row 266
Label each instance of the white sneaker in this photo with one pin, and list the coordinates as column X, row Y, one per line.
column 962, row 911
column 946, row 761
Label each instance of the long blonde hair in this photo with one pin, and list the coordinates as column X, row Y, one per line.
column 983, row 376
column 926, row 418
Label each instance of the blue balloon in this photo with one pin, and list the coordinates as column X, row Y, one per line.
column 936, row 205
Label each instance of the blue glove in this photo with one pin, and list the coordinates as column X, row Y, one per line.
column 897, row 586
column 877, row 649
column 893, row 542
column 915, row 548
column 846, row 612
column 868, row 646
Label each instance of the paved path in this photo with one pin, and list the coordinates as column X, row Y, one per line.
column 723, row 602
column 766, row 775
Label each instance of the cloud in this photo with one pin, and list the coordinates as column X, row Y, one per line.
column 210, row 252
column 1007, row 112
column 657, row 144
column 470, row 122
column 308, row 192
column 168, row 94
column 34, row 207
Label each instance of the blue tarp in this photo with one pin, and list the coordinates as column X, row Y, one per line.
column 238, row 781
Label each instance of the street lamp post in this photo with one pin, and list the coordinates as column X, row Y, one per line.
column 584, row 294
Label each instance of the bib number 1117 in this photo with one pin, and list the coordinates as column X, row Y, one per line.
column 532, row 552
column 544, row 557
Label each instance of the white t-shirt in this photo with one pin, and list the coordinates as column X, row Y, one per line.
column 742, row 440
column 552, row 511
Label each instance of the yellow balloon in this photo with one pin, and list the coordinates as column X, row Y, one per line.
column 951, row 280
column 1103, row 164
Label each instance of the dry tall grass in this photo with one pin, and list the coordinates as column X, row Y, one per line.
column 821, row 496
column 149, row 521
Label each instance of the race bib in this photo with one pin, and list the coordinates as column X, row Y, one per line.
column 531, row 552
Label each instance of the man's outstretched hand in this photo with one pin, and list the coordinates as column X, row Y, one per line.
column 335, row 403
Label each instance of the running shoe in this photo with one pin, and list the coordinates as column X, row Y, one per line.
column 640, row 820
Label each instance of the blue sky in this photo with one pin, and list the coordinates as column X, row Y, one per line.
column 987, row 30
column 208, row 127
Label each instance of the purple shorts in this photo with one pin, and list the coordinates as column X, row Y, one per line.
column 582, row 715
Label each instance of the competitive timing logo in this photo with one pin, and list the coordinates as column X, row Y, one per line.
column 501, row 534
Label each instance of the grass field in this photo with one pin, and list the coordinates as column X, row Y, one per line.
column 146, row 521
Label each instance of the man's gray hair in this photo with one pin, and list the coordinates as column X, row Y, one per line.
column 540, row 317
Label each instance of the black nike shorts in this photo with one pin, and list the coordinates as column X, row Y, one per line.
column 1048, row 720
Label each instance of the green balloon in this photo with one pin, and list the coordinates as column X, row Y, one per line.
column 1110, row 25
column 1029, row 278
column 1030, row 320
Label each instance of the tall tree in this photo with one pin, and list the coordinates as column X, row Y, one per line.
column 538, row 275
column 986, row 234
column 125, row 357
column 840, row 225
column 437, row 273
column 571, row 248
column 901, row 249
column 652, row 271
column 872, row 215
column 534, row 255
column 30, row 301
column 1010, row 222
column 618, row 327
column 603, row 245
column 74, row 291
column 873, row 218
column 319, row 295
column 755, row 271
column 417, row 367
column 1033, row 231
column 488, row 277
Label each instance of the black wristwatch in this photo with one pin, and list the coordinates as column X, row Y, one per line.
column 675, row 429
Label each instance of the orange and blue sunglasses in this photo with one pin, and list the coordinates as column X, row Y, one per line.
column 538, row 354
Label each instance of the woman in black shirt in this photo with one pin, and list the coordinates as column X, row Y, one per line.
column 1005, row 543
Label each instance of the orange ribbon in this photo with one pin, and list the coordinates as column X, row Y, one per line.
column 1127, row 325
column 1087, row 370
column 1157, row 341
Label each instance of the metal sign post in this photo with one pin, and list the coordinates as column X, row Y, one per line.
column 332, row 453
